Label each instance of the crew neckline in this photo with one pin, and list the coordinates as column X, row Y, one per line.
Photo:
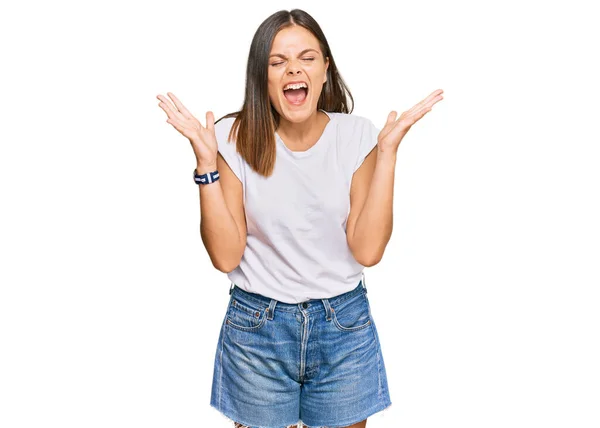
column 314, row 146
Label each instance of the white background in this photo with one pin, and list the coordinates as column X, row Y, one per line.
column 487, row 298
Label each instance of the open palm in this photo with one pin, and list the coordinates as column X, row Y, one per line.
column 394, row 130
column 202, row 138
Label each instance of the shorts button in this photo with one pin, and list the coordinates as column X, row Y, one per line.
column 305, row 305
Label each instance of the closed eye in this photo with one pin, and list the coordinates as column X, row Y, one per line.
column 305, row 59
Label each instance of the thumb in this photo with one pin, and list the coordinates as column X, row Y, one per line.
column 210, row 121
column 391, row 117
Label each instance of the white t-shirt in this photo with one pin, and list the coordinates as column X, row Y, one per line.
column 296, row 246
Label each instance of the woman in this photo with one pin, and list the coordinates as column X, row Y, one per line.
column 296, row 205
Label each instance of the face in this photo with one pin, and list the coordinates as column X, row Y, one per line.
column 296, row 56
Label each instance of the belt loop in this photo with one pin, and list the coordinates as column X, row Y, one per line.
column 327, row 309
column 271, row 309
column 363, row 281
column 231, row 287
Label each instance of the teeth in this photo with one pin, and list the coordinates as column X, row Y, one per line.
column 295, row 86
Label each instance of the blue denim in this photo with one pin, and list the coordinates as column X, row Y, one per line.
column 317, row 362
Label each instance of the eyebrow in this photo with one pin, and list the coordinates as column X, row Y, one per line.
column 301, row 53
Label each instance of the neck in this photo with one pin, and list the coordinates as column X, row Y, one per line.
column 299, row 132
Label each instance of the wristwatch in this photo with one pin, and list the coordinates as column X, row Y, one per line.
column 209, row 177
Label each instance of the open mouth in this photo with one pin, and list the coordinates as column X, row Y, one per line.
column 296, row 96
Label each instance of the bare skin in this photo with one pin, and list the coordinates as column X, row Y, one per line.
column 296, row 56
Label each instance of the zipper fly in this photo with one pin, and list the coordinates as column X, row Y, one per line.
column 303, row 345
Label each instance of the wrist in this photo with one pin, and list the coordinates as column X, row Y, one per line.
column 205, row 168
column 203, row 178
column 386, row 156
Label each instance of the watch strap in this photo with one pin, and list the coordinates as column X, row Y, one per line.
column 207, row 178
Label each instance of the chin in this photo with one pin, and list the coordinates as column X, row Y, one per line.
column 297, row 114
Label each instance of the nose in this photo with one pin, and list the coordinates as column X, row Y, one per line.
column 293, row 68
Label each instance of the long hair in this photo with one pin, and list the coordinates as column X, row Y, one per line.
column 254, row 127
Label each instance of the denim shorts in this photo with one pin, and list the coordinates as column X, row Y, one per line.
column 317, row 363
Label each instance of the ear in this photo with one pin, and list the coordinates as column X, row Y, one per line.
column 326, row 67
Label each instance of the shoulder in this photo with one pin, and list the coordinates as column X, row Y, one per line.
column 222, row 128
column 348, row 118
column 354, row 127
column 225, row 146
column 352, row 123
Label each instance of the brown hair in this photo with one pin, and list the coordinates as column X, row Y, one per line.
column 255, row 124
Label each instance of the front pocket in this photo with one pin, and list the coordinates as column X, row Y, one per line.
column 242, row 316
column 352, row 314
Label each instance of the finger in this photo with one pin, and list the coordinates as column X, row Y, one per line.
column 166, row 109
column 427, row 102
column 174, row 119
column 210, row 121
column 169, row 110
column 429, row 98
column 420, row 113
column 167, row 102
column 179, row 105
column 432, row 102
column 434, row 94
column 417, row 112
column 426, row 109
column 179, row 125
column 391, row 117
column 175, row 124
column 168, row 106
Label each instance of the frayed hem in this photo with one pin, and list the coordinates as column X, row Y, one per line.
column 241, row 425
column 368, row 414
column 299, row 425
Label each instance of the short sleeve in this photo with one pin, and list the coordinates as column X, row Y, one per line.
column 366, row 143
column 228, row 149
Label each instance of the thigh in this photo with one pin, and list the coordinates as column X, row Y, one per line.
column 253, row 380
column 347, row 381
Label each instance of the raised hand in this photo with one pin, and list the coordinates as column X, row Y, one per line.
column 203, row 139
column 394, row 130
